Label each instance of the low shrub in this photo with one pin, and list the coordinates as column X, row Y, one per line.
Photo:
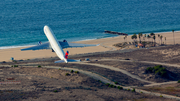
column 119, row 87
column 72, row 71
column 178, row 81
column 67, row 74
column 15, row 65
column 55, row 91
column 116, row 82
column 14, row 61
column 133, row 90
column 161, row 96
column 149, row 69
column 112, row 86
column 39, row 66
column 77, row 72
column 107, row 84
column 100, row 81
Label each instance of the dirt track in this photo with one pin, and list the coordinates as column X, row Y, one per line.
column 45, row 81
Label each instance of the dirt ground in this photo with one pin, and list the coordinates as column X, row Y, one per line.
column 169, row 54
column 171, row 89
column 42, row 84
column 54, row 85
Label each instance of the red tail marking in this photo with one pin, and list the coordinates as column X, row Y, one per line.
column 66, row 55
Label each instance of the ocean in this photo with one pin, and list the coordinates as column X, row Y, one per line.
column 22, row 21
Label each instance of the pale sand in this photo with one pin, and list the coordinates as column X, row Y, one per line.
column 106, row 44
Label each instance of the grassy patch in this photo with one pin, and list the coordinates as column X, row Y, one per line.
column 39, row 66
column 14, row 66
column 55, row 91
column 159, row 70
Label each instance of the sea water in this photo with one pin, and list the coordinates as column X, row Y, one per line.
column 22, row 21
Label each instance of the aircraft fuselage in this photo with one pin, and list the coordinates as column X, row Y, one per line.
column 54, row 43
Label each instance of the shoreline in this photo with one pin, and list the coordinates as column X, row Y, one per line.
column 23, row 46
column 106, row 44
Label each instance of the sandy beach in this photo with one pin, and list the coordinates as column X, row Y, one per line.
column 101, row 77
column 106, row 44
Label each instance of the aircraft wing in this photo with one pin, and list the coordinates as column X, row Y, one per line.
column 72, row 45
column 63, row 45
column 39, row 47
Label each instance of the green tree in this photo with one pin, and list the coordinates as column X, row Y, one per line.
column 152, row 34
column 134, row 36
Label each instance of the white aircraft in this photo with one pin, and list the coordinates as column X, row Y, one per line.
column 57, row 46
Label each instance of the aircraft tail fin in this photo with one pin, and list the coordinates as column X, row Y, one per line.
column 68, row 60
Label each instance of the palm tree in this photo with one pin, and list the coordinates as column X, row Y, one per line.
column 152, row 34
column 161, row 39
column 124, row 39
column 154, row 37
column 173, row 36
column 144, row 37
column 140, row 34
column 148, row 36
column 165, row 40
